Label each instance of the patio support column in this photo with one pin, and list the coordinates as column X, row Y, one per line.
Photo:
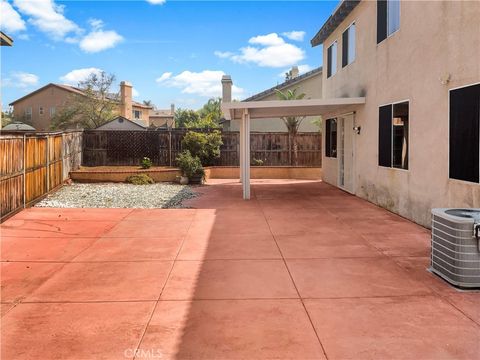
column 242, row 134
column 246, row 155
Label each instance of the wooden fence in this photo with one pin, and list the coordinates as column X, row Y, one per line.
column 32, row 164
column 110, row 147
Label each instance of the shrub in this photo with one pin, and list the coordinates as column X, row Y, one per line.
column 190, row 165
column 146, row 163
column 257, row 162
column 205, row 146
column 139, row 179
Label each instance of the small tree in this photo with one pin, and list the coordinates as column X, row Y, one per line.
column 292, row 122
column 212, row 109
column 206, row 122
column 149, row 103
column 183, row 117
column 206, row 146
column 94, row 107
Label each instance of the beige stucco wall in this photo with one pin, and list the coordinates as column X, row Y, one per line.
column 435, row 39
column 162, row 120
column 145, row 114
column 47, row 98
column 311, row 86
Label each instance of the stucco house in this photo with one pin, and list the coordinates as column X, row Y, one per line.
column 309, row 83
column 162, row 118
column 38, row 107
column 414, row 145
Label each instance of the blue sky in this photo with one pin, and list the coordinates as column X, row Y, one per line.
column 172, row 52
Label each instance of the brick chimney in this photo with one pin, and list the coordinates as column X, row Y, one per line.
column 126, row 99
column 294, row 72
column 227, row 88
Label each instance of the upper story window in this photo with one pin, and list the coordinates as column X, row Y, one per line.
column 393, row 135
column 28, row 113
column 40, row 110
column 52, row 111
column 332, row 59
column 348, row 45
column 465, row 133
column 137, row 114
column 331, row 138
column 388, row 18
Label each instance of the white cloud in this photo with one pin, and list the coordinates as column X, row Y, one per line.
column 10, row 20
column 99, row 40
column 20, row 79
column 302, row 69
column 294, row 35
column 96, row 24
column 268, row 51
column 78, row 75
column 135, row 93
column 48, row 17
column 163, row 77
column 205, row 83
column 157, row 2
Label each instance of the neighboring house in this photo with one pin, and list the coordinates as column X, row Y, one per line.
column 415, row 144
column 38, row 107
column 18, row 126
column 309, row 83
column 121, row 123
column 162, row 118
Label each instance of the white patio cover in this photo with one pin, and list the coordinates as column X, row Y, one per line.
column 245, row 111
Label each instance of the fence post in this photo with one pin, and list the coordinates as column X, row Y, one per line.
column 24, row 169
column 170, row 147
column 48, row 163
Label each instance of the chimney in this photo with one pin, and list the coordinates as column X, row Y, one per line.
column 126, row 99
column 172, row 109
column 226, row 88
column 294, row 72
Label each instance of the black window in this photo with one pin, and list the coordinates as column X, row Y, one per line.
column 332, row 59
column 464, row 133
column 329, row 61
column 331, row 138
column 393, row 135
column 388, row 18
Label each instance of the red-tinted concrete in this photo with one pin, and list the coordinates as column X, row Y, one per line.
column 301, row 271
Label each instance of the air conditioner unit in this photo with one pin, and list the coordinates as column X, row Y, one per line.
column 456, row 246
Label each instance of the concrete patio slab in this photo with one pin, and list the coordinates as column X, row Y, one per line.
column 301, row 271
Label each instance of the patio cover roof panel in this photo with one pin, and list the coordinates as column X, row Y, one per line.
column 278, row 108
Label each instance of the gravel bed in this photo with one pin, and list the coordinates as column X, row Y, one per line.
column 113, row 195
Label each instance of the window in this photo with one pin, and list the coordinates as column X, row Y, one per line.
column 28, row 113
column 393, row 135
column 40, row 110
column 465, row 133
column 388, row 18
column 348, row 45
column 52, row 111
column 332, row 59
column 331, row 138
column 137, row 114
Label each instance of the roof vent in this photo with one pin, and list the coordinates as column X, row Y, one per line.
column 456, row 246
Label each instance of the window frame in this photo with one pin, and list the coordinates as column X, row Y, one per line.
column 448, row 140
column 328, row 138
column 28, row 113
column 139, row 113
column 387, row 35
column 391, row 137
column 41, row 110
column 329, row 63
column 347, row 29
column 52, row 111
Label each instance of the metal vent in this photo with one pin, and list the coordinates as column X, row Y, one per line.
column 456, row 247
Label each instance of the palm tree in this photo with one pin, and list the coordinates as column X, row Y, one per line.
column 292, row 122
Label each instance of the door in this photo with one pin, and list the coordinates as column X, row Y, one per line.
column 345, row 149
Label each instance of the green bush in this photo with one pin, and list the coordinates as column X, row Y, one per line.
column 139, row 179
column 146, row 163
column 190, row 165
column 205, row 146
column 257, row 162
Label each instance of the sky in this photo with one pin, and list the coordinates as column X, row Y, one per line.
column 171, row 51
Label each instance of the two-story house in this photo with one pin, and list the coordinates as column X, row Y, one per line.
column 415, row 144
column 39, row 107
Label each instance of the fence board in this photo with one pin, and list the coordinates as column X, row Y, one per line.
column 111, row 148
column 31, row 164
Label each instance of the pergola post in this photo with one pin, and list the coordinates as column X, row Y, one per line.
column 246, row 155
column 242, row 134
